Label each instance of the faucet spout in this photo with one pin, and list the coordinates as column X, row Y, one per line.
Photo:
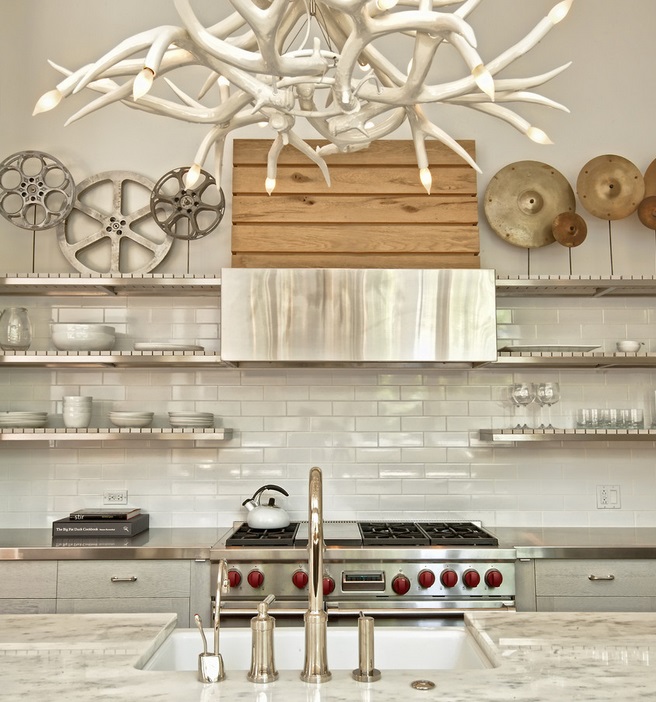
column 315, row 669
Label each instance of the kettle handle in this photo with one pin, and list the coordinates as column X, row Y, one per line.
column 266, row 487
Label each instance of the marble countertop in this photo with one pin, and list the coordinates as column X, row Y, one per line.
column 537, row 657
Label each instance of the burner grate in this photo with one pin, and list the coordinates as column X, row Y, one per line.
column 457, row 534
column 392, row 534
column 247, row 536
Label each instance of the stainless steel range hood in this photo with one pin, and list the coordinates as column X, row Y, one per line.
column 334, row 316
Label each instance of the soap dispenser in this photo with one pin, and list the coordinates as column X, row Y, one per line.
column 263, row 667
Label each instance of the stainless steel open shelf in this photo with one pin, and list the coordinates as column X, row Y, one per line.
column 108, row 285
column 511, row 360
column 115, row 433
column 532, row 435
column 112, row 359
column 575, row 286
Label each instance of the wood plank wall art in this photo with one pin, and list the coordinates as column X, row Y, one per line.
column 376, row 214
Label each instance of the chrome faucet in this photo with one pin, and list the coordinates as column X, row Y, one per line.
column 210, row 665
column 315, row 668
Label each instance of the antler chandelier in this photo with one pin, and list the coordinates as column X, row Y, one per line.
column 277, row 62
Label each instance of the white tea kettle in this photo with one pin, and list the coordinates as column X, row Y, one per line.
column 269, row 516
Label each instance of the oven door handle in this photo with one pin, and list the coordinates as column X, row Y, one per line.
column 417, row 612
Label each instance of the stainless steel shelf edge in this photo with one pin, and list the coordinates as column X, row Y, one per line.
column 108, row 285
column 581, row 286
column 122, row 359
column 102, row 434
column 509, row 360
column 513, row 435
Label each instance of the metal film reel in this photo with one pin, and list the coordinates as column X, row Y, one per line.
column 110, row 228
column 187, row 213
column 36, row 190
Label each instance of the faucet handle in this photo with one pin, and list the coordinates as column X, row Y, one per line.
column 263, row 667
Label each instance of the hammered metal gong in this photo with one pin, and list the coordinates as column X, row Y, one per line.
column 610, row 187
column 36, row 190
column 523, row 199
column 110, row 228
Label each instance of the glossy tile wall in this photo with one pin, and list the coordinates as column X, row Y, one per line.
column 393, row 444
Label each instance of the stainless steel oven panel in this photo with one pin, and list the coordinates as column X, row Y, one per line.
column 278, row 580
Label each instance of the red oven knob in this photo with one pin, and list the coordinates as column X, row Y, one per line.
column 234, row 577
column 255, row 578
column 300, row 579
column 493, row 578
column 426, row 578
column 328, row 585
column 400, row 584
column 449, row 578
column 471, row 578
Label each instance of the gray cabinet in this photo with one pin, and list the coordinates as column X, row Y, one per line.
column 179, row 586
column 28, row 587
column 594, row 585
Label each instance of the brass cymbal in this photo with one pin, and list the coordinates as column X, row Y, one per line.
column 647, row 212
column 610, row 187
column 522, row 200
column 569, row 229
column 650, row 179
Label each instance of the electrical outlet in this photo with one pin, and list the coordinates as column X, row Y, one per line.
column 115, row 497
column 608, row 497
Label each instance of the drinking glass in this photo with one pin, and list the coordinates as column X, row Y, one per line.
column 547, row 394
column 521, row 395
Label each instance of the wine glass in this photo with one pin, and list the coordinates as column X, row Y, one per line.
column 521, row 395
column 547, row 394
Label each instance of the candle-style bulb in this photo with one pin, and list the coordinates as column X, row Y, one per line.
column 559, row 12
column 269, row 185
column 192, row 176
column 484, row 80
column 538, row 136
column 47, row 101
column 426, row 179
column 143, row 82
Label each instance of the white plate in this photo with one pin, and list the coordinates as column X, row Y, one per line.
column 131, row 421
column 23, row 423
column 191, row 425
column 192, row 415
column 131, row 415
column 158, row 346
column 551, row 348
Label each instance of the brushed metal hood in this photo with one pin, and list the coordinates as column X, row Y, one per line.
column 334, row 316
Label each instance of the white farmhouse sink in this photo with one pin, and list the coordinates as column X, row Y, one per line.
column 396, row 648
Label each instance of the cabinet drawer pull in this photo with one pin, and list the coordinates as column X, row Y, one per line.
column 131, row 579
column 601, row 577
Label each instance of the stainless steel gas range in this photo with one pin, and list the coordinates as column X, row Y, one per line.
column 393, row 568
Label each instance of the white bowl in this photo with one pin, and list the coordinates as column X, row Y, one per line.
column 628, row 346
column 123, row 421
column 83, row 337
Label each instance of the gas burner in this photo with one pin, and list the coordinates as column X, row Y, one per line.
column 247, row 536
column 392, row 533
column 457, row 534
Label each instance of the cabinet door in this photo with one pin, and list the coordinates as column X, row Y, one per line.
column 595, row 578
column 123, row 579
column 28, row 587
column 125, row 586
column 596, row 604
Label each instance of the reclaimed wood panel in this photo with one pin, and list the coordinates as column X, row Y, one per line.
column 375, row 214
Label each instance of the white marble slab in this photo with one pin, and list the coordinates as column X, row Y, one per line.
column 539, row 657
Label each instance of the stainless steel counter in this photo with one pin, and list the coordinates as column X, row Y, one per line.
column 528, row 542
column 578, row 542
column 39, row 545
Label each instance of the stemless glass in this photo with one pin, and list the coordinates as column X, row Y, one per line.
column 521, row 395
column 547, row 394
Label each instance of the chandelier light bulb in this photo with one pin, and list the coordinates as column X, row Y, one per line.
column 538, row 136
column 47, row 101
column 426, row 179
column 143, row 82
column 484, row 80
column 559, row 12
column 192, row 176
column 383, row 5
column 269, row 185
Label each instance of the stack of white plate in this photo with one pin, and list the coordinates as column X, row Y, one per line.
column 131, row 419
column 23, row 419
column 191, row 419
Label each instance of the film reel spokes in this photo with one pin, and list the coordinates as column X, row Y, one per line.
column 36, row 190
column 187, row 213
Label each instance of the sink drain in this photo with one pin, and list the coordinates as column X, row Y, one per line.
column 422, row 684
